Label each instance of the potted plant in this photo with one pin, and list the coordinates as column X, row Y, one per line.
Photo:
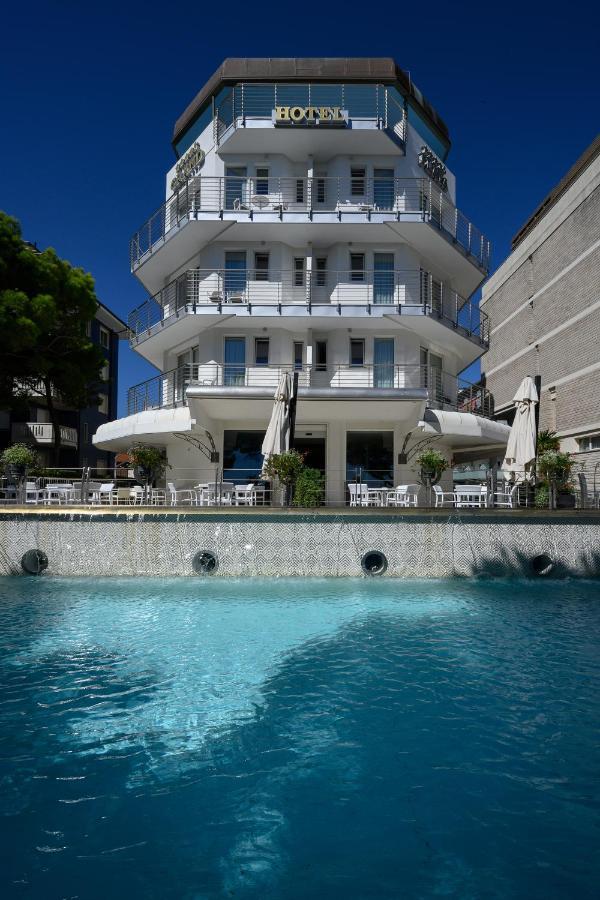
column 18, row 459
column 309, row 488
column 555, row 468
column 432, row 465
column 285, row 467
column 149, row 463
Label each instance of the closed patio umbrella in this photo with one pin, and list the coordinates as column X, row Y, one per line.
column 520, row 449
column 277, row 437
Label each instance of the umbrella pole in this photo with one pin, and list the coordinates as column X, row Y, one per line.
column 292, row 411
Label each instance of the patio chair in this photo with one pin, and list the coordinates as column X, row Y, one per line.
column 33, row 492
column 442, row 497
column 404, row 495
column 359, row 494
column 122, row 495
column 137, row 494
column 104, row 494
column 181, row 496
column 219, row 493
column 507, row 499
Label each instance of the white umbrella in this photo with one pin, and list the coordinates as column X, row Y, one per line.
column 520, row 449
column 277, row 437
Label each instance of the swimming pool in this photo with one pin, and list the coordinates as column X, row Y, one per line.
column 195, row 738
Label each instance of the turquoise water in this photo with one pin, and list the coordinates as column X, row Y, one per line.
column 204, row 738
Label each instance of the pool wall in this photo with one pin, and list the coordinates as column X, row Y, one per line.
column 417, row 543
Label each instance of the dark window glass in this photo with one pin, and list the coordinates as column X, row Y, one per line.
column 357, row 352
column 321, row 272
column 261, row 351
column 357, row 182
column 357, row 267
column 262, row 181
column 321, row 356
column 242, row 456
column 298, row 355
column 321, row 190
column 299, row 190
column 299, row 271
column 261, row 266
column 369, row 454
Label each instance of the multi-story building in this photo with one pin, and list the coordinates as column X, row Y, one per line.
column 310, row 225
column 544, row 303
column 77, row 427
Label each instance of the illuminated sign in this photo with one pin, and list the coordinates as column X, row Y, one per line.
column 187, row 166
column 434, row 167
column 310, row 115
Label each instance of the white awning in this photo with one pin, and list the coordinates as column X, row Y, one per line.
column 464, row 429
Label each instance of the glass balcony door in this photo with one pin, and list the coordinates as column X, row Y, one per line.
column 383, row 362
column 383, row 188
column 383, row 278
column 234, row 370
column 235, row 186
column 235, row 273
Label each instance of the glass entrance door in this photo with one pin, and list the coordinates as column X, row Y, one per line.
column 235, row 273
column 235, row 181
column 383, row 362
column 234, row 369
column 383, row 278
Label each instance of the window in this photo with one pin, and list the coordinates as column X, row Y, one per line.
column 357, row 352
column 357, row 267
column 298, row 356
column 242, row 455
column 261, row 266
column 105, row 371
column 589, row 443
column 369, row 454
column 104, row 338
column 299, row 190
column 321, row 271
column 321, row 356
column 261, row 351
column 103, row 405
column 299, row 271
column 320, row 190
column 262, row 180
column 357, row 181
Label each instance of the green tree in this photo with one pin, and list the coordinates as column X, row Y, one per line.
column 45, row 307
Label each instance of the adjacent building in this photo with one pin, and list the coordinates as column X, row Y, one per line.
column 77, row 427
column 544, row 305
column 310, row 224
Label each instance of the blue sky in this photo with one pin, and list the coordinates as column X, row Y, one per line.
column 89, row 94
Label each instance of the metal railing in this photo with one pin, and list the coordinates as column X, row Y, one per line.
column 362, row 101
column 43, row 433
column 393, row 198
column 413, row 291
column 445, row 391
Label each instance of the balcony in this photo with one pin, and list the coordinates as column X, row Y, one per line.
column 325, row 208
column 439, row 389
column 43, row 433
column 375, row 122
column 320, row 294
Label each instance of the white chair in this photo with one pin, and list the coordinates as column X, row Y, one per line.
column 181, row 496
column 359, row 494
column 403, row 495
column 507, row 498
column 220, row 493
column 137, row 494
column 121, row 495
column 104, row 494
column 245, row 495
column 442, row 497
column 58, row 493
column 33, row 492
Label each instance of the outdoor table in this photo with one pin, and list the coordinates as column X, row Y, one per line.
column 469, row 496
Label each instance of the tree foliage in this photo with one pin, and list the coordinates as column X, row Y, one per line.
column 45, row 307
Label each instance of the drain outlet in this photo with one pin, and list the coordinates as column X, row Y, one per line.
column 374, row 562
column 33, row 562
column 205, row 562
column 542, row 564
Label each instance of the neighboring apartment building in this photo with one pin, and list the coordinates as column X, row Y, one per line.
column 544, row 306
column 77, row 427
column 310, row 225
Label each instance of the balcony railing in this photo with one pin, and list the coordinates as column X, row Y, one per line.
column 373, row 102
column 394, row 199
column 43, row 433
column 411, row 291
column 445, row 391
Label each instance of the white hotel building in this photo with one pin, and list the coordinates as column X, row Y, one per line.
column 310, row 225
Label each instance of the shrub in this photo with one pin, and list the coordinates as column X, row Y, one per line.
column 542, row 497
column 555, row 466
column 309, row 488
column 20, row 456
column 285, row 466
column 547, row 441
column 149, row 460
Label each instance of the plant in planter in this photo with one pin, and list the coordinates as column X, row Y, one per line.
column 547, row 442
column 432, row 466
column 555, row 470
column 18, row 459
column 309, row 488
column 149, row 463
column 285, row 467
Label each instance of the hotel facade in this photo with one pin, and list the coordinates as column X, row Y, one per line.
column 310, row 225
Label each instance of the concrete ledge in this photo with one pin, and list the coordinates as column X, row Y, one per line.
column 289, row 542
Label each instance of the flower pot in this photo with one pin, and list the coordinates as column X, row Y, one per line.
column 16, row 471
column 565, row 500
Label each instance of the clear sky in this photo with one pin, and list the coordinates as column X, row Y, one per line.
column 90, row 92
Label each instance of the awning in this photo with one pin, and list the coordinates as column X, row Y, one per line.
column 464, row 429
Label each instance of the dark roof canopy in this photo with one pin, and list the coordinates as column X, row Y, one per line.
column 378, row 70
column 556, row 193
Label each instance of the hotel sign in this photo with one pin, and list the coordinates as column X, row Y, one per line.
column 433, row 167
column 187, row 166
column 310, row 115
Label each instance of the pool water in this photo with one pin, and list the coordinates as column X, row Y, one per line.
column 374, row 738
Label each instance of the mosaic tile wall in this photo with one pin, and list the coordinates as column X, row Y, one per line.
column 304, row 545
